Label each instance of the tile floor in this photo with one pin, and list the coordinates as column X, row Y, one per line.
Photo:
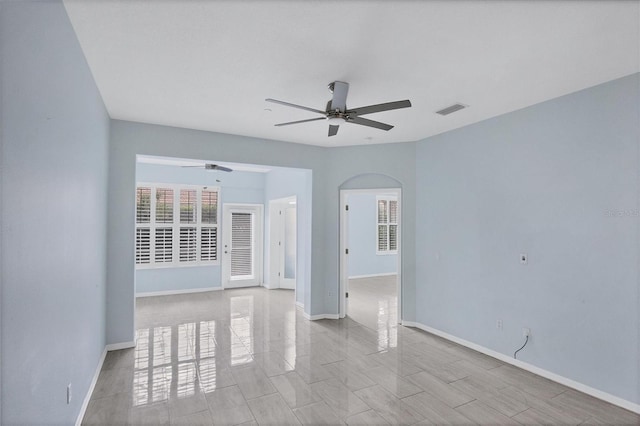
column 373, row 302
column 247, row 356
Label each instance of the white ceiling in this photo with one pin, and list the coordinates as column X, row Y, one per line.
column 210, row 64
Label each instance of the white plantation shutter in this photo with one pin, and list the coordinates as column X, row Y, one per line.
column 387, row 212
column 209, row 207
column 143, row 245
column 393, row 212
column 188, row 206
column 382, row 238
column 208, row 243
column 393, row 225
column 143, row 233
column 143, row 205
column 188, row 240
column 164, row 205
column 382, row 211
column 241, row 244
column 176, row 224
column 163, row 245
column 393, row 237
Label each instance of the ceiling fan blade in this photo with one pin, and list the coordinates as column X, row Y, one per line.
column 380, row 107
column 275, row 101
column 333, row 130
column 370, row 123
column 339, row 100
column 300, row 121
column 201, row 166
column 211, row 166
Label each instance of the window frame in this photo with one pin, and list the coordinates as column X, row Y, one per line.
column 177, row 226
column 388, row 223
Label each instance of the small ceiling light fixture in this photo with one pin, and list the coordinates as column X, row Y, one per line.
column 336, row 120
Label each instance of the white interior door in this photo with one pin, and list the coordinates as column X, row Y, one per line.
column 242, row 245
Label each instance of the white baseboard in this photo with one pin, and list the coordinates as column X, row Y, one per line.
column 320, row 316
column 121, row 345
column 300, row 305
column 87, row 397
column 386, row 274
column 596, row 393
column 172, row 292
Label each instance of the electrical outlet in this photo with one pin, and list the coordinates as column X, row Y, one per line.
column 526, row 332
column 499, row 324
column 524, row 259
column 330, row 293
column 69, row 393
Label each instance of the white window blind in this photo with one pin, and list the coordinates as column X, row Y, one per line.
column 387, row 227
column 176, row 225
column 241, row 245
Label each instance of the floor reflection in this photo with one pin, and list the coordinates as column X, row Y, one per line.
column 181, row 360
column 241, row 319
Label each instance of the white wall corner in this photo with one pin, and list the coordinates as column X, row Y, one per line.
column 581, row 387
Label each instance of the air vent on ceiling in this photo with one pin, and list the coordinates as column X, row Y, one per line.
column 451, row 109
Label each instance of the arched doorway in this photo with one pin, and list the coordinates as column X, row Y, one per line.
column 370, row 290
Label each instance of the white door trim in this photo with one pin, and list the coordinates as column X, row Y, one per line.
column 344, row 240
column 227, row 210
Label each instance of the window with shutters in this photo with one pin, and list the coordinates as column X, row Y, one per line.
column 176, row 225
column 387, row 225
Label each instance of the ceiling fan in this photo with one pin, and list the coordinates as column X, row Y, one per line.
column 337, row 113
column 210, row 166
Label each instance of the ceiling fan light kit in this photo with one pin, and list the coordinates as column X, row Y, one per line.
column 337, row 113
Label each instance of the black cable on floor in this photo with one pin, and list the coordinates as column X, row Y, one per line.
column 521, row 348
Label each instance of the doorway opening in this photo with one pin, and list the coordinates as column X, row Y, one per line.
column 370, row 256
column 283, row 233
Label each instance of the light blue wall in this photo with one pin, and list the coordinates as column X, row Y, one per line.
column 281, row 183
column 330, row 168
column 235, row 187
column 55, row 134
column 363, row 225
column 541, row 181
